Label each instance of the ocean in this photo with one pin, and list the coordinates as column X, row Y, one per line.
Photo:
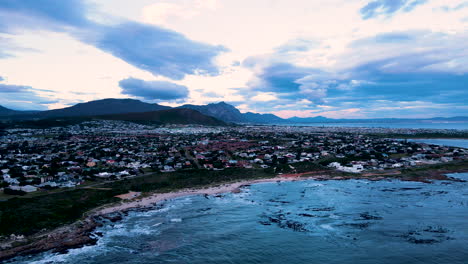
column 353, row 221
column 414, row 125
column 462, row 143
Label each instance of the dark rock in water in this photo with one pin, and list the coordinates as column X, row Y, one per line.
column 278, row 201
column 112, row 217
column 294, row 225
column 409, row 188
column 422, row 241
column 273, row 220
column 281, row 221
column 116, row 218
column 323, row 209
column 307, row 215
column 427, row 235
column 433, row 193
column 367, row 216
column 359, row 225
column 401, row 189
column 438, row 229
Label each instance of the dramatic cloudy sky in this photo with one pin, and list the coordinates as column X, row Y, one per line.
column 335, row 58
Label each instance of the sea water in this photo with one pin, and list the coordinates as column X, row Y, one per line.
column 462, row 143
column 353, row 221
column 408, row 125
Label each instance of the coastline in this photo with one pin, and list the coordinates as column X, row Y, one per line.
column 80, row 233
column 155, row 198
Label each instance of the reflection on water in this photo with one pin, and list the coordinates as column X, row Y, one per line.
column 414, row 125
column 296, row 222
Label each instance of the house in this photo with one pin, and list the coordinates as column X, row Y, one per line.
column 26, row 188
column 356, row 168
column 168, row 168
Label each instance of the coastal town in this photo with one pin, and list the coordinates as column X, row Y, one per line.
column 35, row 160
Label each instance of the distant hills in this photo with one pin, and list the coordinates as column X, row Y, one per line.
column 5, row 111
column 210, row 114
column 102, row 107
column 9, row 112
column 229, row 113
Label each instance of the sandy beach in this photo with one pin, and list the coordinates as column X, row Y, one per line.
column 160, row 197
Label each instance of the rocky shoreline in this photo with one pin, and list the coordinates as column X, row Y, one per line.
column 59, row 240
column 80, row 233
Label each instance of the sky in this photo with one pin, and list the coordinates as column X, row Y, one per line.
column 305, row 58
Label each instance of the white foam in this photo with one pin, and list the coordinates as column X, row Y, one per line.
column 327, row 227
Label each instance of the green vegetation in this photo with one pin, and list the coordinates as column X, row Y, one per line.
column 30, row 215
column 423, row 171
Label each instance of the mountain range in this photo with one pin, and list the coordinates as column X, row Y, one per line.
column 132, row 109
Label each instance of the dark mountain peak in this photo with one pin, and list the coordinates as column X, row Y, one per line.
column 103, row 107
column 112, row 101
column 224, row 105
column 221, row 110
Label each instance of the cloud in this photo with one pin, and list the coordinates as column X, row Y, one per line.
column 394, row 37
column 297, row 45
column 211, row 94
column 388, row 69
column 8, row 47
column 157, row 50
column 387, row 8
column 153, row 90
column 40, row 13
column 264, row 97
column 281, row 78
column 160, row 12
column 150, row 48
column 455, row 8
column 1, row 78
column 6, row 88
column 22, row 97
